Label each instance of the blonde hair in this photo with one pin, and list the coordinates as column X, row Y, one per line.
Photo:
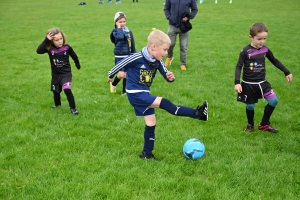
column 55, row 31
column 158, row 38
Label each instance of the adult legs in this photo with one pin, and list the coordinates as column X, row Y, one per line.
column 172, row 33
column 184, row 39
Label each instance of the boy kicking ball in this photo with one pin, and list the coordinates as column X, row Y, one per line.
column 141, row 69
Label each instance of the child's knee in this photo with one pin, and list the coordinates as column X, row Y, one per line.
column 250, row 106
column 273, row 101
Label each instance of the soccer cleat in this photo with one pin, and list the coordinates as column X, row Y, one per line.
column 183, row 67
column 113, row 89
column 147, row 157
column 267, row 127
column 202, row 111
column 249, row 128
column 74, row 111
column 123, row 94
column 168, row 61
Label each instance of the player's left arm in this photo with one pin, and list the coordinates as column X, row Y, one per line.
column 194, row 10
column 169, row 76
column 74, row 57
column 279, row 65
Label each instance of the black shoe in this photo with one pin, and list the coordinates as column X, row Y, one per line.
column 202, row 111
column 147, row 157
column 74, row 111
column 249, row 128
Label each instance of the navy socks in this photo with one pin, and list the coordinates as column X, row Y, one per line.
column 177, row 110
column 149, row 138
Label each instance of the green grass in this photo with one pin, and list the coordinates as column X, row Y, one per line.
column 50, row 154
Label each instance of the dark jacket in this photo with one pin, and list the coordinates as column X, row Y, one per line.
column 174, row 9
column 124, row 45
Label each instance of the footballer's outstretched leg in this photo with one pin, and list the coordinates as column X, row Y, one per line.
column 202, row 111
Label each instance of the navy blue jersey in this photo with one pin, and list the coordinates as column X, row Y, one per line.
column 140, row 72
column 59, row 57
column 252, row 61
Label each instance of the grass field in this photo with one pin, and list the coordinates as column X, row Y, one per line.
column 51, row 154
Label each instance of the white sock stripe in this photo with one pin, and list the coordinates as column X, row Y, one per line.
column 176, row 110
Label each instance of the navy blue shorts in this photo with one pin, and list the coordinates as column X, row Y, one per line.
column 141, row 102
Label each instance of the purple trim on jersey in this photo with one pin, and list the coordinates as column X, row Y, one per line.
column 254, row 52
column 67, row 85
column 270, row 94
column 61, row 49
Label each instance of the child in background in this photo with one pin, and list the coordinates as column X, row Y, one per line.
column 55, row 45
column 254, row 84
column 141, row 69
column 123, row 39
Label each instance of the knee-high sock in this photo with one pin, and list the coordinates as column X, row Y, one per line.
column 56, row 97
column 267, row 114
column 70, row 98
column 149, row 138
column 177, row 110
column 115, row 81
column 124, row 85
column 250, row 116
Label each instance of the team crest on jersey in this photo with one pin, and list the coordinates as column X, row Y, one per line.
column 146, row 77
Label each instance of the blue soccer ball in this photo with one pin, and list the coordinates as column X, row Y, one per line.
column 193, row 149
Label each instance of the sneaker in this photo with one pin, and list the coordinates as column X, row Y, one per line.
column 202, row 111
column 74, row 111
column 183, row 67
column 168, row 61
column 147, row 157
column 113, row 89
column 249, row 128
column 267, row 127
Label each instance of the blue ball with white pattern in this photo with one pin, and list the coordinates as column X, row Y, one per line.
column 193, row 149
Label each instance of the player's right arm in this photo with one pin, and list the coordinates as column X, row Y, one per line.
column 42, row 48
column 124, row 62
column 238, row 70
